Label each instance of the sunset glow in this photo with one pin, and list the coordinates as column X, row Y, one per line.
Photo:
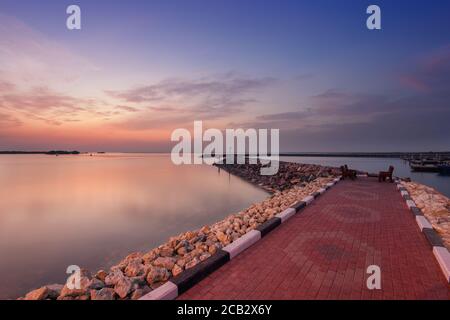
column 122, row 84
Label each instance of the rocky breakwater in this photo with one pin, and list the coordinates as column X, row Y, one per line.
column 142, row 272
column 434, row 205
column 289, row 174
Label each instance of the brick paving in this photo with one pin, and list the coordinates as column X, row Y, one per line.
column 324, row 251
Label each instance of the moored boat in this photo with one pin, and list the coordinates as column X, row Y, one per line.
column 444, row 168
column 424, row 167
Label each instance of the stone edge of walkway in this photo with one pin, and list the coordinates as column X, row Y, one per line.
column 190, row 277
column 436, row 243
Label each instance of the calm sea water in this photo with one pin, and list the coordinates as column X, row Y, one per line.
column 374, row 165
column 93, row 211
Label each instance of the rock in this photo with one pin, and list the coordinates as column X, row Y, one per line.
column 54, row 290
column 204, row 256
column 96, row 284
column 164, row 262
column 157, row 274
column 149, row 257
column 166, row 252
column 133, row 256
column 114, row 277
column 139, row 293
column 212, row 249
column 38, row 294
column 138, row 282
column 135, row 268
column 103, row 294
column 181, row 262
column 176, row 270
column 101, row 275
column 182, row 243
column 173, row 242
column 192, row 263
column 85, row 285
column 222, row 237
column 190, row 235
column 182, row 251
column 123, row 287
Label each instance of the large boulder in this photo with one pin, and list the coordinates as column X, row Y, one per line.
column 103, row 294
column 123, row 287
column 114, row 277
column 135, row 268
column 157, row 274
column 165, row 262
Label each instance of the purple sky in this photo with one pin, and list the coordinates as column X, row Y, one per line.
column 137, row 70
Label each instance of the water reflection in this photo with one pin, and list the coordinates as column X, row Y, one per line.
column 92, row 211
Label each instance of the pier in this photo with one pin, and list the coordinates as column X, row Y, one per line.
column 324, row 251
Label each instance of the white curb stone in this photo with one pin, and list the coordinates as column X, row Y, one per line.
column 423, row 222
column 443, row 257
column 321, row 190
column 168, row 291
column 308, row 199
column 286, row 214
column 404, row 193
column 410, row 203
column 330, row 184
column 242, row 243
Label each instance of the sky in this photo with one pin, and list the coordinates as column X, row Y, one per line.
column 139, row 69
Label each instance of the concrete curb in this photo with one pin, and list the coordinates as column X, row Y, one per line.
column 423, row 223
column 188, row 278
column 440, row 252
column 298, row 206
column 168, row 291
column 242, row 243
column 286, row 214
column 443, row 257
column 308, row 200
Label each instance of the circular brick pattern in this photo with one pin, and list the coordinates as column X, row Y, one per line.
column 328, row 252
column 351, row 213
column 359, row 195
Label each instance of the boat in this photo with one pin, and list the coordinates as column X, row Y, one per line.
column 444, row 168
column 424, row 167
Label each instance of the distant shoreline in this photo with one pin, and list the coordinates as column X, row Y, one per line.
column 52, row 152
column 366, row 154
column 401, row 155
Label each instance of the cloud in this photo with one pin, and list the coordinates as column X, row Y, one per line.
column 6, row 86
column 29, row 58
column 225, row 87
column 337, row 120
column 7, row 121
column 127, row 108
column 175, row 102
column 431, row 73
column 45, row 105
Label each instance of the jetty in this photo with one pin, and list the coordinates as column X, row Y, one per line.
column 324, row 252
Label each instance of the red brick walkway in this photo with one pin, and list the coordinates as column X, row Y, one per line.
column 324, row 252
